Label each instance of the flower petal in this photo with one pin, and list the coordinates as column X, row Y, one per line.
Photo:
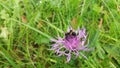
column 68, row 58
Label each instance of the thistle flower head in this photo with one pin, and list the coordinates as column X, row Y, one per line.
column 72, row 43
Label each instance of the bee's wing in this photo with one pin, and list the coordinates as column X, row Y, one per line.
column 69, row 28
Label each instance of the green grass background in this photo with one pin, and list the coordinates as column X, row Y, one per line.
column 26, row 27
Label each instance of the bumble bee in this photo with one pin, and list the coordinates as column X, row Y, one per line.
column 70, row 33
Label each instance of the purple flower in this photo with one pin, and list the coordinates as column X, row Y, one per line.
column 72, row 43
